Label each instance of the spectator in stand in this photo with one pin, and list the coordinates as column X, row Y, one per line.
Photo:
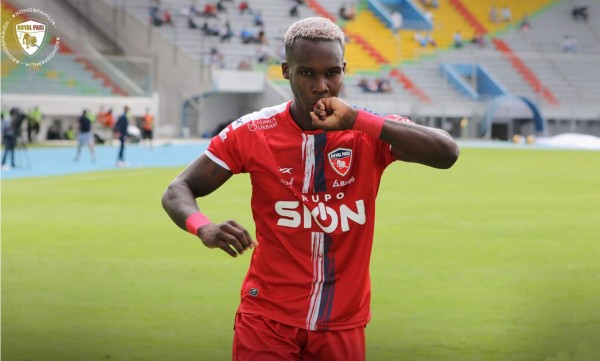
column 258, row 19
column 225, row 31
column 579, row 12
column 430, row 3
column 457, row 39
column 569, row 44
column 369, row 86
column 210, row 11
column 493, row 14
column 294, row 11
column 155, row 16
column 425, row 40
column 243, row 7
column 420, row 39
column 216, row 59
column 221, row 6
column 262, row 54
column 429, row 16
column 345, row 13
column 191, row 22
column 245, row 64
column 262, row 37
column 211, row 29
column 193, row 10
column 478, row 39
column 167, row 17
column 248, row 36
column 506, row 14
column 383, row 85
column 430, row 40
column 525, row 25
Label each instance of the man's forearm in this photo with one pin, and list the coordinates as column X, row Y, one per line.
column 179, row 203
column 416, row 143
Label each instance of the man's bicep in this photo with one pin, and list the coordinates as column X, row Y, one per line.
column 204, row 176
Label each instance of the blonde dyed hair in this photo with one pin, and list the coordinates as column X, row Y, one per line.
column 313, row 28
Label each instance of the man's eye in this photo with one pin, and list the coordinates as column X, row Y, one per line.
column 305, row 73
column 333, row 73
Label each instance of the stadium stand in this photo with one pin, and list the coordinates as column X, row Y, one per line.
column 524, row 63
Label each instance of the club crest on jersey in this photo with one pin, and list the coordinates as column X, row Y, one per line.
column 340, row 160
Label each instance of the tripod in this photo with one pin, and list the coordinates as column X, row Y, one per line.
column 21, row 154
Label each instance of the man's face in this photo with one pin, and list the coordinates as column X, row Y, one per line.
column 315, row 70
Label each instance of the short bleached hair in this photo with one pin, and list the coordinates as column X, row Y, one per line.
column 313, row 28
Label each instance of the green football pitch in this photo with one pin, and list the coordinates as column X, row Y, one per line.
column 497, row 258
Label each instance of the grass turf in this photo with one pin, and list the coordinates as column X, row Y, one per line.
column 495, row 259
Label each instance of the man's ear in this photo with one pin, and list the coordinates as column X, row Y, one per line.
column 285, row 70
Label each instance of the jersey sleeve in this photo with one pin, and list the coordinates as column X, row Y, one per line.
column 225, row 149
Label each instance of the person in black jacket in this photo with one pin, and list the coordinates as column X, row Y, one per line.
column 85, row 135
column 11, row 132
column 121, row 133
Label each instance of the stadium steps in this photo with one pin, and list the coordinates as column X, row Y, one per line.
column 359, row 54
column 525, row 71
column 409, row 84
column 478, row 15
column 380, row 37
column 446, row 21
column 481, row 9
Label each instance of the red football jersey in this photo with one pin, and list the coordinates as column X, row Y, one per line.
column 313, row 203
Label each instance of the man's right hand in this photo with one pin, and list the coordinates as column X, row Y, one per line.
column 229, row 236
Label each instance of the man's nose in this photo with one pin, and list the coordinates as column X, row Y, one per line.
column 320, row 85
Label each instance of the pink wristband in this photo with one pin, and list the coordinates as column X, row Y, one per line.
column 195, row 221
column 368, row 123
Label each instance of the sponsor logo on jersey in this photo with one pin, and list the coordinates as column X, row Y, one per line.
column 285, row 170
column 343, row 183
column 262, row 124
column 253, row 292
column 297, row 215
column 340, row 160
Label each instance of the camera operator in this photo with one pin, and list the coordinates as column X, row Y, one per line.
column 11, row 133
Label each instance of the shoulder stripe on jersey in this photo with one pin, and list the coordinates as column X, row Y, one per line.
column 216, row 160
